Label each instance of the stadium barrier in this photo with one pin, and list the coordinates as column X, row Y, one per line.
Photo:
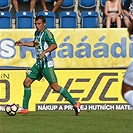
column 77, row 48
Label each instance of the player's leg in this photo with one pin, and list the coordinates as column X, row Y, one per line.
column 52, row 79
column 31, row 77
column 26, row 97
column 27, row 92
column 63, row 92
column 50, row 75
column 67, row 96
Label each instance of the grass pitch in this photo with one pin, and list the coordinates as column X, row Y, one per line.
column 67, row 122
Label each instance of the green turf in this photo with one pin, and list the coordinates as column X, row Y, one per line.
column 67, row 122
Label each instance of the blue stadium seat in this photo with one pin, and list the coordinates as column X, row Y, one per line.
column 50, row 18
column 89, row 19
column 5, row 20
column 123, row 1
column 68, row 19
column 87, row 4
column 24, row 19
column 102, row 3
column 4, row 4
column 68, row 4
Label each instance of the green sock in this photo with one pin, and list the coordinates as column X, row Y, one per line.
column 67, row 96
column 26, row 98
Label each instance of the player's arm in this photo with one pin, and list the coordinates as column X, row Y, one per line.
column 49, row 49
column 20, row 43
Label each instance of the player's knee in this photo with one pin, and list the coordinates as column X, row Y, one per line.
column 26, row 83
column 55, row 87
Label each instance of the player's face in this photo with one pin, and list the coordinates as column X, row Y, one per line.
column 40, row 25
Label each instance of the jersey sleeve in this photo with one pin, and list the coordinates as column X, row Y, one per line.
column 50, row 38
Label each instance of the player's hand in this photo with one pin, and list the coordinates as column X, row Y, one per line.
column 19, row 43
column 42, row 55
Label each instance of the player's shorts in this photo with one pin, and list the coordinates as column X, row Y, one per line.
column 37, row 74
column 128, row 77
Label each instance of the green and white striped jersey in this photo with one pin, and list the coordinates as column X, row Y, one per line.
column 42, row 41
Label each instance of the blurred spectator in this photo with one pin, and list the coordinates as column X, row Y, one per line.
column 57, row 5
column 44, row 5
column 32, row 5
column 128, row 15
column 113, row 12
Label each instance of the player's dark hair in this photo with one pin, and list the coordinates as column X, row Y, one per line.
column 41, row 17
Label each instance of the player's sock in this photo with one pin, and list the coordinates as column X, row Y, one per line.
column 67, row 96
column 27, row 94
column 128, row 96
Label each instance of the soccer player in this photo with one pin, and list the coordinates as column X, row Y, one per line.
column 127, row 85
column 44, row 43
